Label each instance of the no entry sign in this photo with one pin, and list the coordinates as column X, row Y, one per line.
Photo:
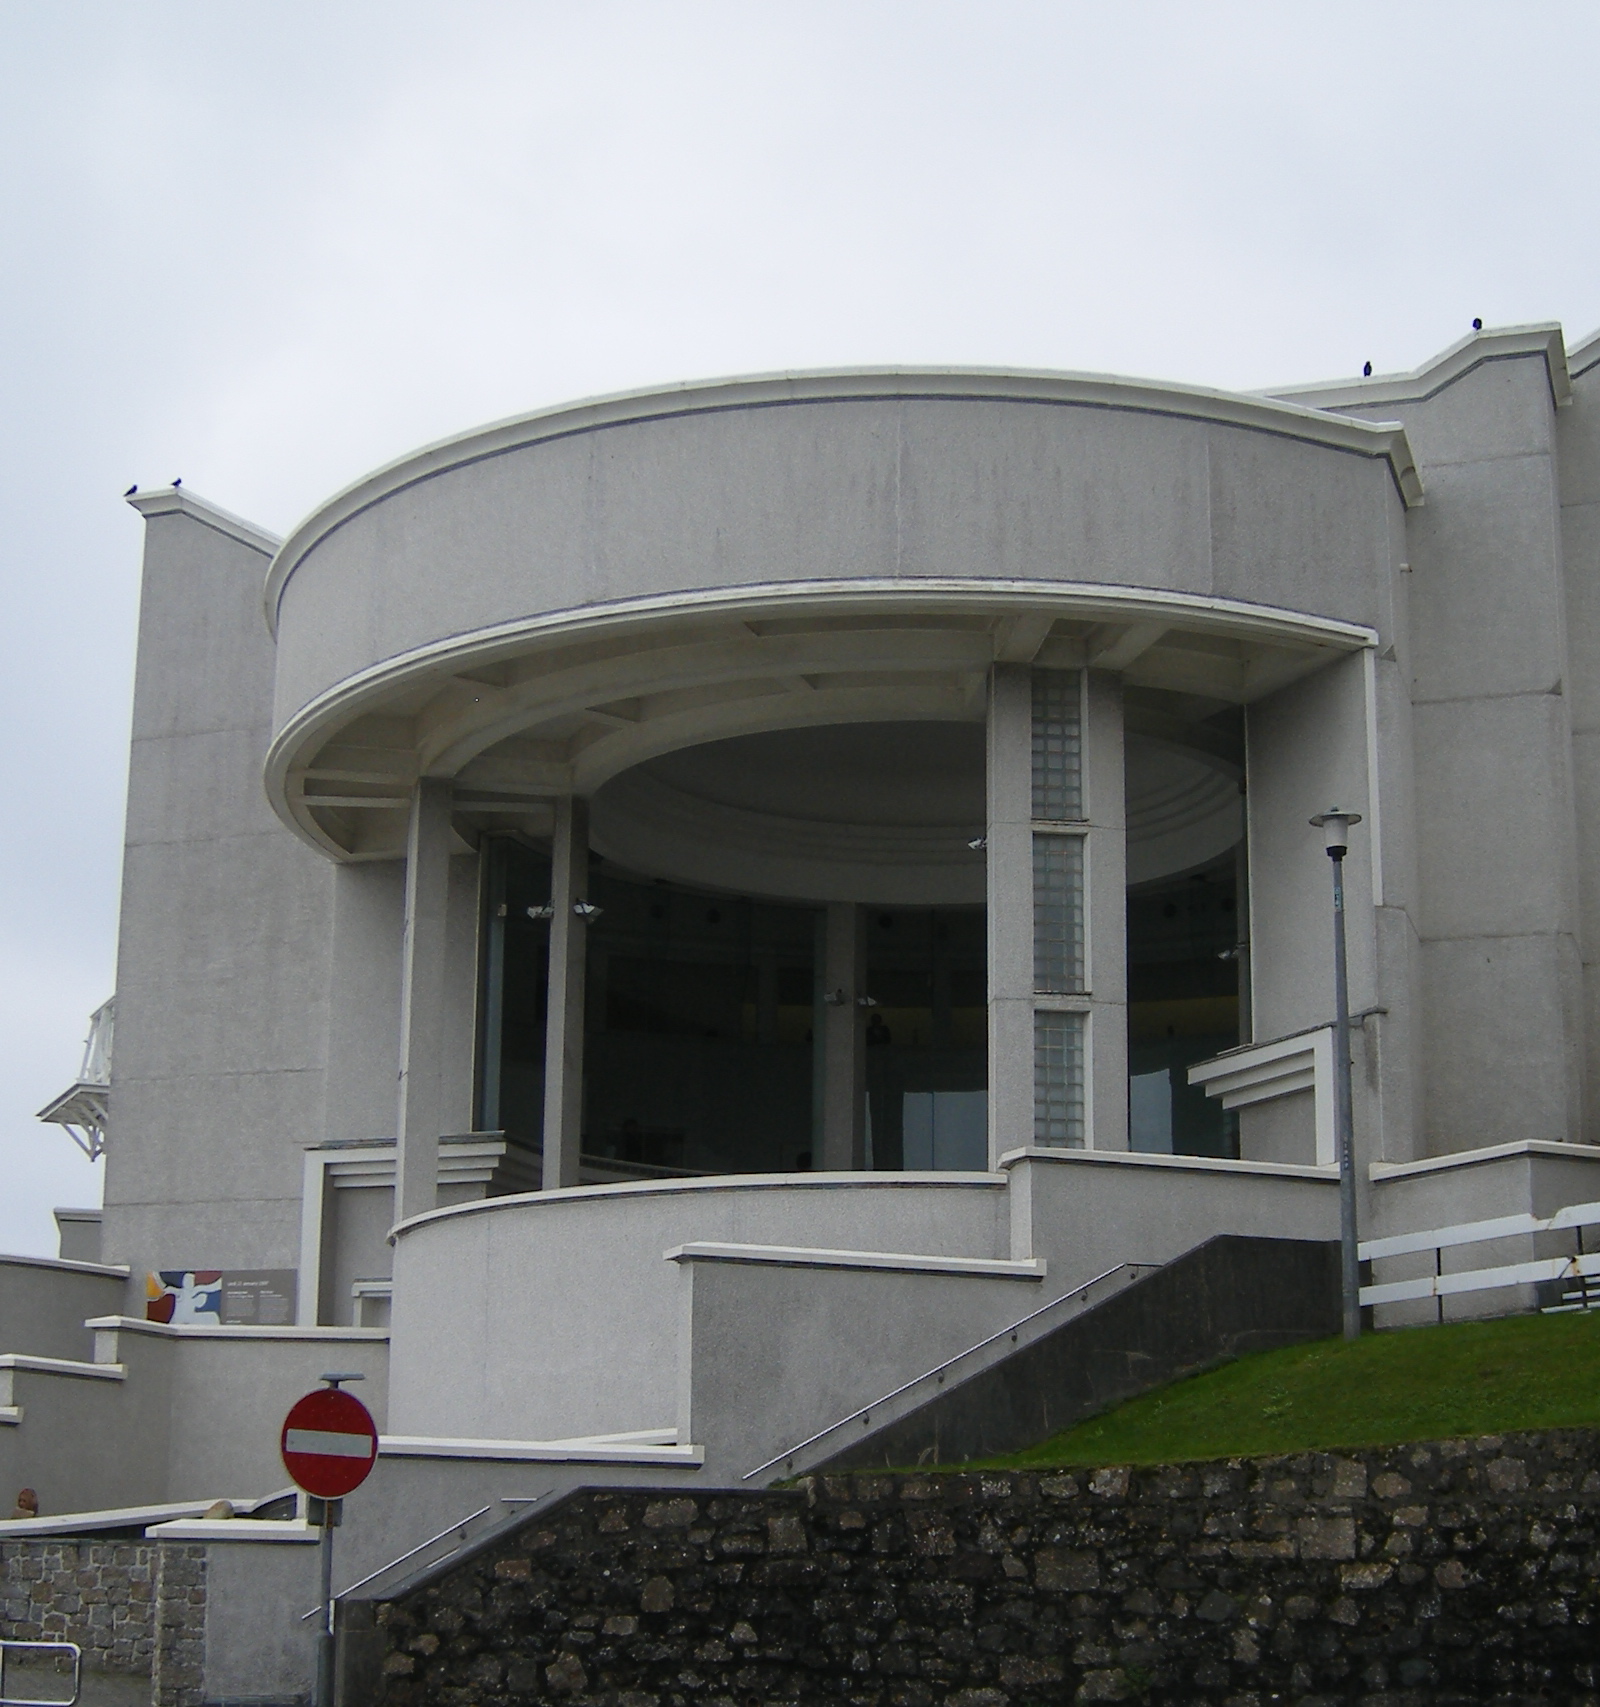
column 329, row 1443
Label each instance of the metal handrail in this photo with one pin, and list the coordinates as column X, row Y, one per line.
column 372, row 1576
column 8, row 1647
column 948, row 1364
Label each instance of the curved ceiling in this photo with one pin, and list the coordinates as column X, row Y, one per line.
column 516, row 727
column 881, row 813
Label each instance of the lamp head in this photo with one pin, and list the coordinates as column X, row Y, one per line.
column 1335, row 825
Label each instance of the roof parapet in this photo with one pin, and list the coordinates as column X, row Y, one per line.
column 1255, row 411
column 1500, row 343
column 174, row 501
column 1584, row 355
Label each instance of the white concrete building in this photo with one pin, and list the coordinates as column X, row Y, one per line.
column 647, row 924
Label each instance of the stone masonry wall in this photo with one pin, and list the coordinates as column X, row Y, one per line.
column 99, row 1594
column 133, row 1606
column 1449, row 1572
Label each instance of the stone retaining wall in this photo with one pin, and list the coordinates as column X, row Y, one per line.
column 99, row 1594
column 1461, row 1572
column 137, row 1607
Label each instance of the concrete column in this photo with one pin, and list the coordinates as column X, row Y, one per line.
column 422, row 1000
column 844, row 1061
column 563, row 1038
column 1010, row 898
column 1106, row 914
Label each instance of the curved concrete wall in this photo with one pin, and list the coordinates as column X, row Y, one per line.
column 992, row 479
column 555, row 1315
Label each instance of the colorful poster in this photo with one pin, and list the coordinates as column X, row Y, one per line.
column 216, row 1298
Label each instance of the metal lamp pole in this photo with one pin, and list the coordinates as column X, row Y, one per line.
column 1335, row 825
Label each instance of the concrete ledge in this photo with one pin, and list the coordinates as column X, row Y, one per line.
column 1381, row 1172
column 233, row 1529
column 116, row 1517
column 706, row 1182
column 596, row 1451
column 201, row 1331
column 10, row 1415
column 111, row 1271
column 1183, row 1164
column 900, row 1262
column 63, row 1366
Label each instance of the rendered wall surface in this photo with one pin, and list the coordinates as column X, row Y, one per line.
column 487, row 1303
column 1578, row 451
column 1500, row 1049
column 222, row 959
column 43, row 1306
column 834, row 490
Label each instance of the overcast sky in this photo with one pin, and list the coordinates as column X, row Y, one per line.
column 269, row 244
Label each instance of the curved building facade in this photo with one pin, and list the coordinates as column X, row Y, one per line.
column 661, row 918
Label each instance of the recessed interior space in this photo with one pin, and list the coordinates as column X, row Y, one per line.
column 1188, row 952
column 721, row 873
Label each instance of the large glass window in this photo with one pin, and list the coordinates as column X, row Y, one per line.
column 926, row 1037
column 1183, row 1007
column 702, row 1019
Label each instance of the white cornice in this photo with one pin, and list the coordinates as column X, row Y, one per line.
column 1278, row 416
column 1583, row 356
column 174, row 501
column 314, row 721
column 1504, row 343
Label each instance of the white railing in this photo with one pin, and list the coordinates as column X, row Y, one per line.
column 9, row 1649
column 1579, row 1266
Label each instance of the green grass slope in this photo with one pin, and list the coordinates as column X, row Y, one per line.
column 1466, row 1378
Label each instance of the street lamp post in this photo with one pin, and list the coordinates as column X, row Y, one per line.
column 1335, row 825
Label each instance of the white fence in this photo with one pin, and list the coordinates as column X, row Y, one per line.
column 1578, row 1267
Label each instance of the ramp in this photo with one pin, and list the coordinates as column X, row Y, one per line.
column 1231, row 1295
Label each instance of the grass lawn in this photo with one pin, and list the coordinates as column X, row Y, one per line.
column 1407, row 1384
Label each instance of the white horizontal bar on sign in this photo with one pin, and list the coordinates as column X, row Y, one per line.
column 327, row 1444
column 785, row 1256
column 1483, row 1279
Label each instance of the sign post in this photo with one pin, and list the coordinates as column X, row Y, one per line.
column 329, row 1445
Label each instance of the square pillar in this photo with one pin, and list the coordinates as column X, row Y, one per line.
column 422, row 1000
column 1106, row 911
column 563, row 1038
column 844, row 1061
column 1009, row 832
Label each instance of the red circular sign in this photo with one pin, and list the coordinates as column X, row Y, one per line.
column 329, row 1443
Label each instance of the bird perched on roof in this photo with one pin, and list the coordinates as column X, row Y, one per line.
column 1366, row 370
column 131, row 490
column 1477, row 324
column 177, row 483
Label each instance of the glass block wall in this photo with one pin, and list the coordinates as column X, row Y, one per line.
column 1059, row 961
column 1058, row 1064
